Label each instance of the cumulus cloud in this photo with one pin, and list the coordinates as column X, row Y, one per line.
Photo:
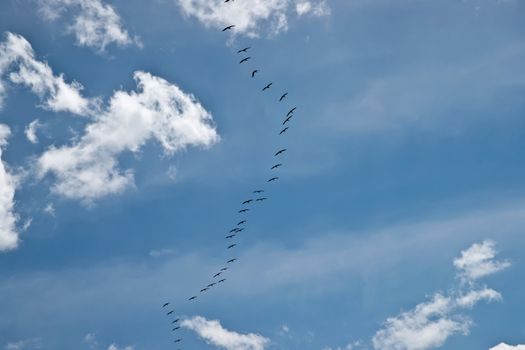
column 250, row 15
column 18, row 59
column 213, row 333
column 478, row 261
column 8, row 183
column 504, row 346
column 88, row 168
column 95, row 23
column 31, row 130
column 429, row 324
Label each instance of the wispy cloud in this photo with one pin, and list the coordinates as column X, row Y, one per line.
column 8, row 184
column 478, row 261
column 251, row 16
column 95, row 23
column 31, row 130
column 213, row 333
column 26, row 344
column 431, row 323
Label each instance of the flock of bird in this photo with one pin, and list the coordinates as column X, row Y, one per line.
column 258, row 197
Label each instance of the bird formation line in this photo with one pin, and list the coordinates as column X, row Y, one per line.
column 247, row 204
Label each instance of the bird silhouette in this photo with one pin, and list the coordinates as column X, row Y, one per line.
column 291, row 111
column 267, row 87
column 248, row 201
column 229, row 27
column 241, row 222
column 255, row 71
column 175, row 321
column 284, row 130
column 163, row 306
column 232, row 245
column 217, row 274
column 280, row 152
column 230, row 236
column 277, row 166
column 244, row 50
column 192, row 298
column 288, row 119
column 273, row 179
column 177, row 340
column 258, row 191
column 224, row 269
column 171, row 312
column 224, row 279
column 283, row 96
column 231, row 261
column 261, row 199
column 244, row 60
column 176, row 328
column 204, row 290
column 211, row 284
column 244, row 210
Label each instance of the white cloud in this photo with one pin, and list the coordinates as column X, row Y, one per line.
column 50, row 209
column 95, row 23
column 172, row 173
column 431, row 323
column 314, row 9
column 88, row 169
column 55, row 93
column 91, row 340
column 115, row 347
column 8, row 183
column 31, row 130
column 24, row 344
column 249, row 16
column 478, row 261
column 214, row 334
column 504, row 346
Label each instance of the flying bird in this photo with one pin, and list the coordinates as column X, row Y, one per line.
column 255, row 71
column 230, row 236
column 261, row 199
column 276, row 166
column 244, row 50
column 175, row 321
column 288, row 119
column 232, row 245
column 241, row 222
column 273, row 179
column 169, row 313
column 177, row 340
column 280, row 152
column 228, row 27
column 283, row 96
column 224, row 269
column 231, row 261
column 163, row 306
column 192, row 298
column 217, row 274
column 204, row 290
column 174, row 329
column 244, row 210
column 258, row 191
column 224, row 279
column 233, row 230
column 244, row 60
column 211, row 284
column 284, row 130
column 240, row 230
column 291, row 111
column 267, row 86
column 248, row 201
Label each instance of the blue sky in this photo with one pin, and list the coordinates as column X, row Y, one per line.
column 130, row 136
